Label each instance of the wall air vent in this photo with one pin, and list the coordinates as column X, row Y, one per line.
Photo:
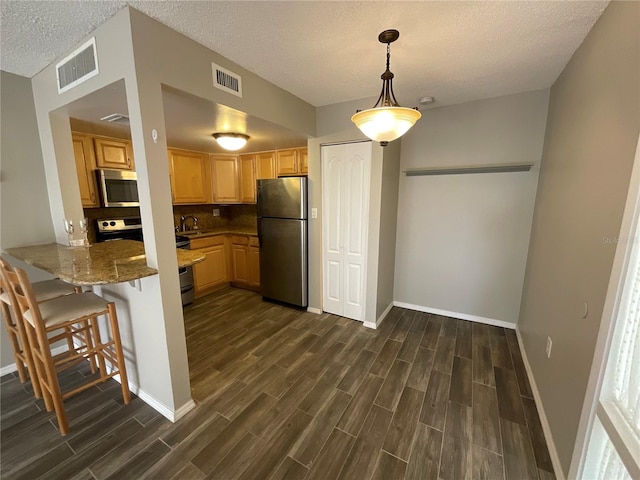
column 81, row 65
column 116, row 118
column 226, row 80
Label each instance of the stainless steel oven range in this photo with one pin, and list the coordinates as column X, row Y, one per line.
column 130, row 228
column 185, row 273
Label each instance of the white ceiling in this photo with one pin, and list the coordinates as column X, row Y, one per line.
column 327, row 52
column 189, row 121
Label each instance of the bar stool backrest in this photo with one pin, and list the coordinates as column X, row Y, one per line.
column 7, row 274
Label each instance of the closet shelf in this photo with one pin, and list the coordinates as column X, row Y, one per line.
column 501, row 168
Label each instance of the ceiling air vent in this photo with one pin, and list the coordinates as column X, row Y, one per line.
column 226, row 80
column 81, row 65
column 116, row 118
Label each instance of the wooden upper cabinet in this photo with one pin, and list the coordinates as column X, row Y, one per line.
column 287, row 161
column 266, row 165
column 303, row 155
column 226, row 187
column 190, row 177
column 248, row 178
column 85, row 167
column 292, row 161
column 114, row 153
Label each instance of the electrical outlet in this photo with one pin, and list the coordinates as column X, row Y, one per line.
column 314, row 213
column 216, row 212
column 548, row 349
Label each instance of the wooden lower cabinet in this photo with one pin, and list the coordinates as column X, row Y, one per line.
column 253, row 262
column 228, row 258
column 245, row 255
column 239, row 254
column 212, row 273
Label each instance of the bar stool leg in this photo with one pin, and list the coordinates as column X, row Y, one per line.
column 97, row 343
column 115, row 331
column 87, row 337
column 88, row 341
column 38, row 364
column 22, row 373
column 51, row 376
column 34, row 373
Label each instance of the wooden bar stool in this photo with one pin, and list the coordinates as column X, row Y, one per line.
column 51, row 320
column 44, row 290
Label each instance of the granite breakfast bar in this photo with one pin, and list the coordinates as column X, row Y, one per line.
column 101, row 263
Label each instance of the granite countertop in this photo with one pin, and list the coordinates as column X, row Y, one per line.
column 230, row 229
column 101, row 263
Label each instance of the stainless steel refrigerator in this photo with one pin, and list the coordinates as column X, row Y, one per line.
column 282, row 231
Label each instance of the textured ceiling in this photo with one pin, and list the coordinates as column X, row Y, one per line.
column 327, row 52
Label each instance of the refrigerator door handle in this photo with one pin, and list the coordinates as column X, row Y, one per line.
column 259, row 232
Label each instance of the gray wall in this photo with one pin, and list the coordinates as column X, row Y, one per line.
column 388, row 226
column 332, row 126
column 462, row 240
column 589, row 149
column 147, row 55
column 24, row 203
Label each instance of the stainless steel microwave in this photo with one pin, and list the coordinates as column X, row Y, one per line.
column 118, row 188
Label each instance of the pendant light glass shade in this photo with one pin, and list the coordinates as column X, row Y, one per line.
column 231, row 141
column 387, row 120
column 385, row 124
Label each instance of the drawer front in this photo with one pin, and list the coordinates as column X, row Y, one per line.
column 254, row 242
column 239, row 240
column 206, row 242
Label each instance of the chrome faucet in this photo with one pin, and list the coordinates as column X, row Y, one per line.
column 183, row 222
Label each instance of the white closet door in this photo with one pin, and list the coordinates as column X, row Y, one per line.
column 333, row 301
column 346, row 178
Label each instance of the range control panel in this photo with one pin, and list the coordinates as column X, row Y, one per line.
column 119, row 224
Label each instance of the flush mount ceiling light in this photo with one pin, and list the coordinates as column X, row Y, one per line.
column 387, row 120
column 231, row 141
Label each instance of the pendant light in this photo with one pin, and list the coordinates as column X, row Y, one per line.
column 387, row 120
column 231, row 141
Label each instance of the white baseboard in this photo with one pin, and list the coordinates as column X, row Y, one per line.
column 161, row 408
column 158, row 406
column 13, row 368
column 379, row 320
column 546, row 428
column 314, row 310
column 461, row 316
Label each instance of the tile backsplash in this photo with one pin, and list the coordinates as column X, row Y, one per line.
column 238, row 215
column 94, row 214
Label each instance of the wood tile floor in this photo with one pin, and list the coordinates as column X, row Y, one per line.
column 284, row 394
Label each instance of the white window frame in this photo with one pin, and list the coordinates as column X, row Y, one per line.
column 597, row 402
